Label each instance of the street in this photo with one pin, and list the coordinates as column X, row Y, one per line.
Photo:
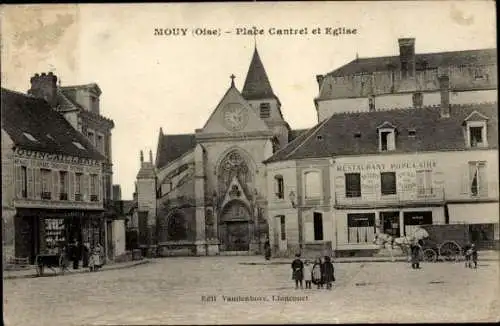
column 196, row 290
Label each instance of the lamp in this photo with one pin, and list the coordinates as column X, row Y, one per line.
column 292, row 197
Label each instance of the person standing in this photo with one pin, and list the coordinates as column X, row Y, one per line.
column 267, row 249
column 298, row 271
column 308, row 274
column 316, row 273
column 415, row 256
column 329, row 273
column 85, row 255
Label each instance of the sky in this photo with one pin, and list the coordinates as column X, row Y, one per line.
column 175, row 82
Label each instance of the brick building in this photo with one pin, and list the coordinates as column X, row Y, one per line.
column 52, row 176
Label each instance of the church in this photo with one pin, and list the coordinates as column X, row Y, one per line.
column 205, row 193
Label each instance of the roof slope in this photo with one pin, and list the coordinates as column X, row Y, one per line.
column 172, row 147
column 257, row 85
column 53, row 133
column 336, row 136
column 422, row 61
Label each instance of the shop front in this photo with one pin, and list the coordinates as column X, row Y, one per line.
column 49, row 230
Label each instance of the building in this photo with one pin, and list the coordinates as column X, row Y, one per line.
column 374, row 170
column 407, row 80
column 205, row 193
column 51, row 180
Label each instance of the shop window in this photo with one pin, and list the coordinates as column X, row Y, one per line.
column 361, row 228
column 312, row 181
column 279, row 186
column 55, row 234
column 353, row 185
column 388, row 183
column 412, row 220
column 477, row 179
column 318, row 226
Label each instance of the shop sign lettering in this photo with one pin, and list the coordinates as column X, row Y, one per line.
column 22, row 153
column 353, row 167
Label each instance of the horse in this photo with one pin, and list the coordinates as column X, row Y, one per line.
column 404, row 243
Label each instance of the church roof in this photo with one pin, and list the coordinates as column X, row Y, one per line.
column 417, row 130
column 32, row 124
column 257, row 85
column 171, row 147
column 422, row 61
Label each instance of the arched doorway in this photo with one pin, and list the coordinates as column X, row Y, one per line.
column 234, row 228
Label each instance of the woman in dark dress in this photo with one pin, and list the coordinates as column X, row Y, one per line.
column 328, row 273
column 267, row 249
column 415, row 256
column 298, row 271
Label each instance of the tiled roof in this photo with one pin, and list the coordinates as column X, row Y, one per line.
column 257, row 85
column 295, row 133
column 52, row 132
column 171, row 147
column 336, row 136
column 423, row 60
column 67, row 102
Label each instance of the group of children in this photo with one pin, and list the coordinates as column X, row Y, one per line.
column 321, row 273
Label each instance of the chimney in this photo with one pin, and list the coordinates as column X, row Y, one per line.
column 319, row 79
column 444, row 87
column 407, row 57
column 44, row 86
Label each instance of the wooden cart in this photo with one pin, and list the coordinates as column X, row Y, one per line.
column 56, row 262
column 445, row 242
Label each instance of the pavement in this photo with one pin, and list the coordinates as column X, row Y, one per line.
column 30, row 271
column 220, row 290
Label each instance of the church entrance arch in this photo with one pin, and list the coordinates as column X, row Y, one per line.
column 234, row 226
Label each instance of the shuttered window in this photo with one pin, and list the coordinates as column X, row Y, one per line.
column 46, row 183
column 388, row 183
column 353, row 185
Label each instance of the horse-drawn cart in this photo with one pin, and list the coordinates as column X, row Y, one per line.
column 444, row 242
column 53, row 261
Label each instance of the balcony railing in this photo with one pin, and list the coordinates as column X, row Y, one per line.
column 94, row 198
column 63, row 196
column 371, row 199
column 78, row 197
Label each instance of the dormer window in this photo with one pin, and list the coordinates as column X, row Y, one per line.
column 265, row 110
column 387, row 137
column 279, row 186
column 412, row 132
column 29, row 136
column 475, row 125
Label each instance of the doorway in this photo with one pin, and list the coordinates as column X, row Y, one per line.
column 389, row 222
column 235, row 231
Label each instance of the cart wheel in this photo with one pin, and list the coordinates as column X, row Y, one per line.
column 430, row 255
column 450, row 251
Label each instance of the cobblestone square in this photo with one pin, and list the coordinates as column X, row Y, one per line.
column 170, row 291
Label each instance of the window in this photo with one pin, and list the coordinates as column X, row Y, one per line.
column 78, row 186
column 282, row 227
column 91, row 136
column 478, row 73
column 387, row 140
column 318, row 226
column 418, row 100
column 279, row 186
column 412, row 132
column 476, row 136
column 388, row 183
column 353, row 185
column 413, row 219
column 312, row 182
column 265, row 110
column 100, row 143
column 477, row 179
column 63, row 185
column 54, row 234
column 361, row 228
column 22, row 181
column 46, row 183
column 94, row 187
column 424, row 182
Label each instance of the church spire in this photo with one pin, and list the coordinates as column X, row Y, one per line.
column 257, row 85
